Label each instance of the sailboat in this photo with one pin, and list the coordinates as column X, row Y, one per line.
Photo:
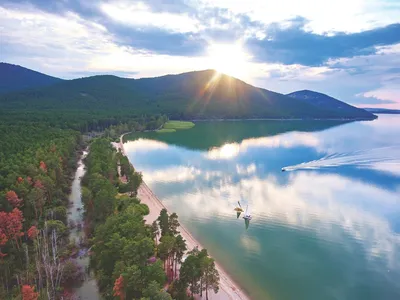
column 238, row 210
column 247, row 215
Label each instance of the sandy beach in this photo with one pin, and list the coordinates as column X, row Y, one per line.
column 228, row 289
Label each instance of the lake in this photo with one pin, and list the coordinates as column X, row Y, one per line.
column 318, row 234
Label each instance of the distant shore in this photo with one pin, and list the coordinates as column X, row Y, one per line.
column 229, row 290
column 280, row 119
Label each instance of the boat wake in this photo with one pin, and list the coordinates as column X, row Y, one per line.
column 370, row 157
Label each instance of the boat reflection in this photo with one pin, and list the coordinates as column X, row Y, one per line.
column 246, row 223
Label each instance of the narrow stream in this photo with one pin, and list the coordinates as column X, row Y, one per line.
column 88, row 290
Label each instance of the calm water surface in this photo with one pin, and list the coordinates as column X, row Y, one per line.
column 315, row 234
column 88, row 289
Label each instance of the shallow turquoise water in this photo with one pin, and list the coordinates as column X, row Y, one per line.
column 318, row 234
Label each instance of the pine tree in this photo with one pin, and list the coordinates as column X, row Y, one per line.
column 210, row 276
column 173, row 224
column 163, row 222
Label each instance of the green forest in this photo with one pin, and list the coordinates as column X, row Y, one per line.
column 130, row 259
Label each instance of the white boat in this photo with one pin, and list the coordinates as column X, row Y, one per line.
column 247, row 215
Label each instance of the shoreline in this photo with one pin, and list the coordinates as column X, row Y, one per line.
column 280, row 119
column 229, row 289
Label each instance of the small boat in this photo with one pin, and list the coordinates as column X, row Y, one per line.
column 247, row 215
column 283, row 169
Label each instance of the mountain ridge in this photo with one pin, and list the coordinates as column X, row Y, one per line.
column 15, row 78
column 203, row 94
column 318, row 99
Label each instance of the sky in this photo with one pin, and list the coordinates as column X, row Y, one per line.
column 349, row 49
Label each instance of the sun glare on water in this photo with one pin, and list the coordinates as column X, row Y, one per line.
column 230, row 59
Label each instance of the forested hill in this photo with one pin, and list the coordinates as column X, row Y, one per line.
column 194, row 95
column 16, row 78
column 324, row 101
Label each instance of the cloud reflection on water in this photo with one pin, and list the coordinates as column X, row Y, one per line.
column 341, row 222
column 360, row 211
column 309, row 200
column 287, row 140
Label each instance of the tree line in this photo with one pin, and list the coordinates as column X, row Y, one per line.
column 197, row 272
column 132, row 259
column 121, row 242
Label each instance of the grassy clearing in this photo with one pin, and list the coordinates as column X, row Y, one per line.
column 178, row 125
column 165, row 130
column 172, row 126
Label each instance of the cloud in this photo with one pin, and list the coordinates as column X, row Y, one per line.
column 62, row 45
column 159, row 41
column 139, row 15
column 171, row 6
column 294, row 45
column 186, row 28
column 388, row 95
column 86, row 9
column 53, row 42
column 369, row 98
column 325, row 16
column 384, row 95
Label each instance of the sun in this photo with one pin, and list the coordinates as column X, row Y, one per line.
column 230, row 59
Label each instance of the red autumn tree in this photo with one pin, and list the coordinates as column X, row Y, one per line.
column 119, row 288
column 3, row 241
column 20, row 179
column 38, row 184
column 11, row 224
column 29, row 179
column 3, row 238
column 43, row 166
column 28, row 293
column 13, row 199
column 32, row 232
